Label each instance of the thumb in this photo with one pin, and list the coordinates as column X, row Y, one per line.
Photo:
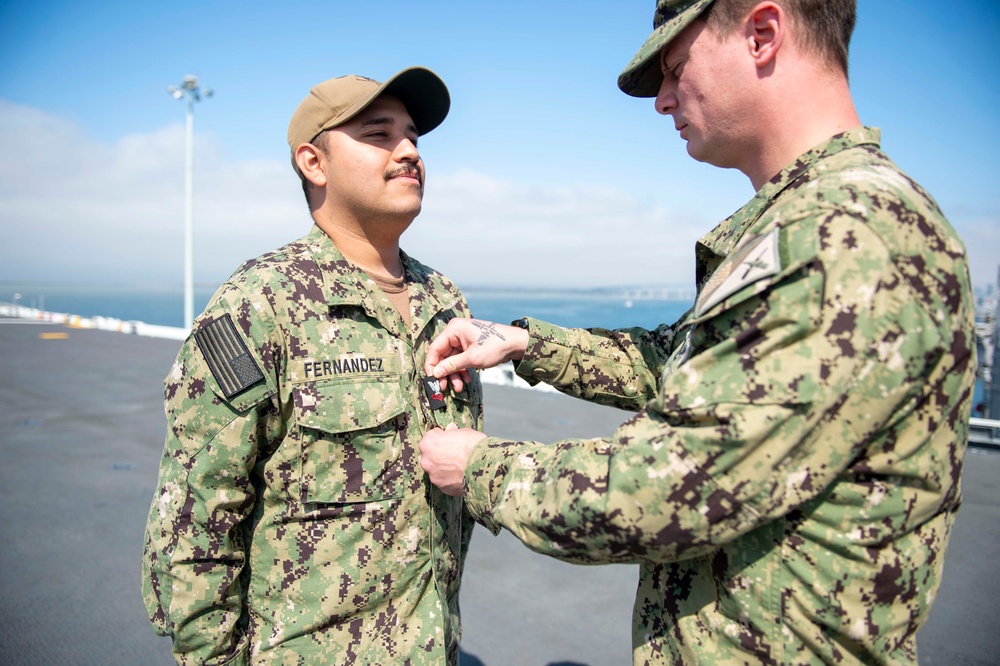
column 451, row 426
column 450, row 365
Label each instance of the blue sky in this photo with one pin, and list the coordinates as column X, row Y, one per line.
column 543, row 173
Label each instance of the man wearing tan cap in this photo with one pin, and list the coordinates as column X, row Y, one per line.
column 790, row 480
column 292, row 523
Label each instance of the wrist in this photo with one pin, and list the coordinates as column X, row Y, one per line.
column 520, row 338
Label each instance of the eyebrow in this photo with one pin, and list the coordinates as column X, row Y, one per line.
column 667, row 52
column 386, row 120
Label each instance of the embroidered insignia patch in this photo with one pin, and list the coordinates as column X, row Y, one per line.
column 227, row 356
column 758, row 258
column 432, row 387
column 677, row 359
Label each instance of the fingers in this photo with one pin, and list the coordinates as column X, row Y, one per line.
column 448, row 343
column 433, row 358
column 453, row 365
column 444, row 455
column 467, row 344
column 459, row 379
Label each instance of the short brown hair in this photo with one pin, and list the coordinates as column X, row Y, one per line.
column 825, row 26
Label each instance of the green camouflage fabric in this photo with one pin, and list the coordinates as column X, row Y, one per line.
column 790, row 486
column 293, row 523
column 642, row 76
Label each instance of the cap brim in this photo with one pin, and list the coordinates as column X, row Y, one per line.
column 421, row 91
column 642, row 76
column 424, row 95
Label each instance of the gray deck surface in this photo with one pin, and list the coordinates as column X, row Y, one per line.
column 81, row 431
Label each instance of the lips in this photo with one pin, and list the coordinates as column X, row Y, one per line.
column 406, row 172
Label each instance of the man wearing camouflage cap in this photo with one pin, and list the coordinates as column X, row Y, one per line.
column 789, row 483
column 292, row 523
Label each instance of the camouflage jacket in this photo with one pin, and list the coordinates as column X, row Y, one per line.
column 292, row 523
column 789, row 483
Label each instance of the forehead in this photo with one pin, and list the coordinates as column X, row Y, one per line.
column 682, row 43
column 384, row 108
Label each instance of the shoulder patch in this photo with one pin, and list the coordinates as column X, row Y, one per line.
column 758, row 258
column 227, row 356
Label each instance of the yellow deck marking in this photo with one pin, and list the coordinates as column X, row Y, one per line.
column 53, row 336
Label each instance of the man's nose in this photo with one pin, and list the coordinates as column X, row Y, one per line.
column 666, row 99
column 406, row 151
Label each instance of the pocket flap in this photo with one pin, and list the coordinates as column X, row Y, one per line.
column 346, row 406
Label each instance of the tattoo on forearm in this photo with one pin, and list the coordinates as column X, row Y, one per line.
column 486, row 331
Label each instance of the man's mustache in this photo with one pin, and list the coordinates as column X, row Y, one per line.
column 407, row 170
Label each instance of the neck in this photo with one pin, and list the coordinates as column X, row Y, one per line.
column 375, row 253
column 805, row 111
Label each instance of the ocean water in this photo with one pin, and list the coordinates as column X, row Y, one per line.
column 164, row 306
column 574, row 309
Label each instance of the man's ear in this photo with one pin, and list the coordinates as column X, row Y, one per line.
column 307, row 157
column 765, row 29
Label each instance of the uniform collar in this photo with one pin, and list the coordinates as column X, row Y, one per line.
column 346, row 284
column 720, row 242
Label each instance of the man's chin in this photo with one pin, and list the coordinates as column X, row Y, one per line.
column 698, row 153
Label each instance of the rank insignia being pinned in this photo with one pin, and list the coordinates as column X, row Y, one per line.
column 432, row 387
column 227, row 356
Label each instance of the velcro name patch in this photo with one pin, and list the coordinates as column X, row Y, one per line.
column 227, row 356
column 346, row 365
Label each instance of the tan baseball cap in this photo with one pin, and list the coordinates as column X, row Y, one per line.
column 642, row 77
column 335, row 101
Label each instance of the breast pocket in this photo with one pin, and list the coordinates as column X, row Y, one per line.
column 350, row 445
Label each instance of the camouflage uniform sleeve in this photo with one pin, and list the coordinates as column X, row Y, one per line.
column 193, row 579
column 749, row 426
column 615, row 368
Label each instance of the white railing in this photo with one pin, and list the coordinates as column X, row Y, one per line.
column 984, row 432
column 99, row 323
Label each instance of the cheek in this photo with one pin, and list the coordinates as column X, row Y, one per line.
column 692, row 100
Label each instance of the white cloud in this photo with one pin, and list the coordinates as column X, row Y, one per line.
column 76, row 209
column 487, row 231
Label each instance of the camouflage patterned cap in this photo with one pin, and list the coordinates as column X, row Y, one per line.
column 642, row 77
column 335, row 101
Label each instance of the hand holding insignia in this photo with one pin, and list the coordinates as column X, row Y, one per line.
column 472, row 344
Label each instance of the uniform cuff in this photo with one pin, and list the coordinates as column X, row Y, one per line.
column 484, row 476
column 547, row 354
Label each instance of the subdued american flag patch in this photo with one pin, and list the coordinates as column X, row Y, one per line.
column 227, row 356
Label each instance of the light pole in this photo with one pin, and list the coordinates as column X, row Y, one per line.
column 189, row 89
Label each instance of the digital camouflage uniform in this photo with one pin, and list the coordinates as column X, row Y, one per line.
column 293, row 524
column 790, row 486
